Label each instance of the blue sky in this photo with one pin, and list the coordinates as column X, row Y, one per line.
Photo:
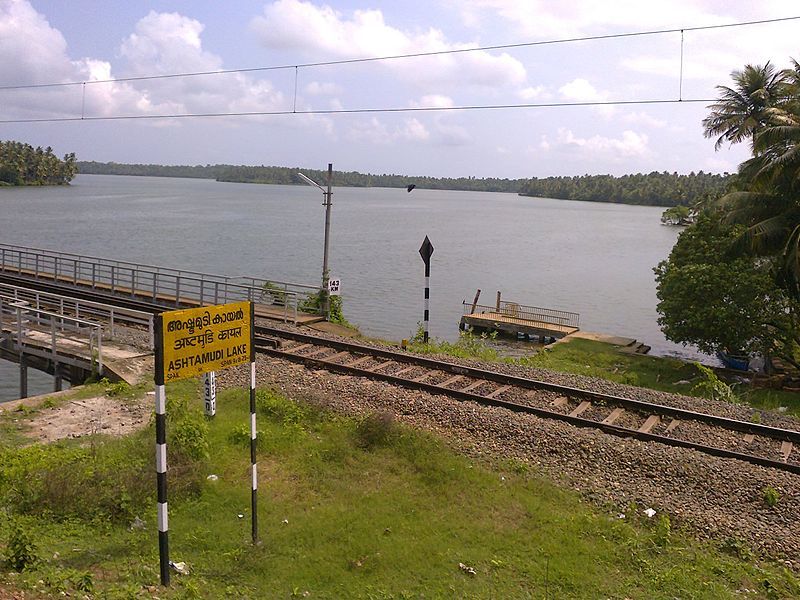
column 55, row 41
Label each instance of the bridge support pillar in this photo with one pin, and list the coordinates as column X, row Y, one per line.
column 57, row 378
column 23, row 377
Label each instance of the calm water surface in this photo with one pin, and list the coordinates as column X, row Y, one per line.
column 590, row 258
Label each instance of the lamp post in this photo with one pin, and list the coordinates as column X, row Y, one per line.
column 326, row 202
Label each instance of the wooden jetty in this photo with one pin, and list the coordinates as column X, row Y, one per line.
column 519, row 319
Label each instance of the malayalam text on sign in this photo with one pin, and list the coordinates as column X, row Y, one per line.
column 210, row 338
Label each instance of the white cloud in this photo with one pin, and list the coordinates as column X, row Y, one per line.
column 317, row 88
column 630, row 145
column 542, row 18
column 34, row 52
column 642, row 118
column 162, row 43
column 414, row 130
column 371, row 130
column 709, row 55
column 171, row 43
column 433, row 101
column 376, row 132
column 322, row 33
column 580, row 90
column 533, row 93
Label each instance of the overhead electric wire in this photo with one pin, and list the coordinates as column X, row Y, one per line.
column 402, row 56
column 340, row 111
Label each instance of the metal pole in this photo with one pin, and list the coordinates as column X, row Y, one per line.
column 326, row 302
column 426, row 314
column 253, row 431
column 161, row 455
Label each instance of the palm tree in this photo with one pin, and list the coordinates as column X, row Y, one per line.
column 741, row 111
column 769, row 204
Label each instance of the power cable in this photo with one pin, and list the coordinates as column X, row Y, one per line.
column 360, row 110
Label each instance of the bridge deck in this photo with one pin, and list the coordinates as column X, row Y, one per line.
column 511, row 324
column 119, row 360
column 266, row 311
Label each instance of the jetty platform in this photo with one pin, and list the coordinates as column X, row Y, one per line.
column 519, row 319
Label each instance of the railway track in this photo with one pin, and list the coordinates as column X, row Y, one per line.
column 718, row 436
column 625, row 417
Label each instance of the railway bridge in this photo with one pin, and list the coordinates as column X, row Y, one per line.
column 58, row 310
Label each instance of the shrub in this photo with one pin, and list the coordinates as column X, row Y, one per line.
column 22, row 552
column 770, row 496
column 712, row 386
column 279, row 409
column 662, row 532
column 374, row 430
column 120, row 388
column 189, row 436
column 240, row 436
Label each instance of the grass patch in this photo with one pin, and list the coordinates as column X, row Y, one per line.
column 348, row 508
column 606, row 361
column 468, row 345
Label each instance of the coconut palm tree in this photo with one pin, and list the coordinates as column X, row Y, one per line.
column 769, row 203
column 741, row 111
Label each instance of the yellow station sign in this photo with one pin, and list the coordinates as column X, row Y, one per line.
column 209, row 338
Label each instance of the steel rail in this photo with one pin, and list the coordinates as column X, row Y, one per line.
column 264, row 345
column 660, row 409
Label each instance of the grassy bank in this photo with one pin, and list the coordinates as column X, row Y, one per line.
column 348, row 509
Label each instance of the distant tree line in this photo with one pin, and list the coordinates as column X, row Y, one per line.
column 288, row 176
column 652, row 189
column 22, row 164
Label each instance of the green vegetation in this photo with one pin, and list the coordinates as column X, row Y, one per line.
column 288, row 176
column 770, row 496
column 656, row 189
column 468, row 345
column 22, row 164
column 732, row 282
column 677, row 215
column 314, row 304
column 605, row 361
column 652, row 189
column 349, row 508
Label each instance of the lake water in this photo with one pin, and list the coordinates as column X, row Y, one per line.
column 591, row 258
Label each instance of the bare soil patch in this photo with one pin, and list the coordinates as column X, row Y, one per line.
column 87, row 416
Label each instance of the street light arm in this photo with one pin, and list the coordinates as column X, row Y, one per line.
column 310, row 181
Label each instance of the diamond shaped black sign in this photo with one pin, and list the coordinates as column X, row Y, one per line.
column 426, row 250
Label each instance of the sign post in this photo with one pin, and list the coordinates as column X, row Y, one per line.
column 334, row 286
column 210, row 394
column 425, row 251
column 189, row 343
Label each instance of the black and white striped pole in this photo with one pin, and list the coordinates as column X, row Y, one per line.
column 425, row 251
column 161, row 453
column 253, row 430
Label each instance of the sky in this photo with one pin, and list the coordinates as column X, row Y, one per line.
column 52, row 41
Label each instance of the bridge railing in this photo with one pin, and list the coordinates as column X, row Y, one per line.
column 40, row 332
column 83, row 309
column 528, row 313
column 159, row 284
